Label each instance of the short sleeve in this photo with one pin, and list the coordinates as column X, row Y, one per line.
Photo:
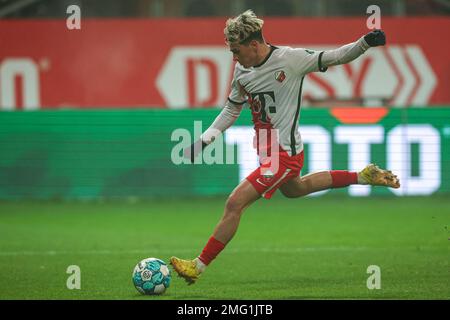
column 305, row 61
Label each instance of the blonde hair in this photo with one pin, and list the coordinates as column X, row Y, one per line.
column 243, row 28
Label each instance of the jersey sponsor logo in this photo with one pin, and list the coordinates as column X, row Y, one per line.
column 280, row 76
column 259, row 102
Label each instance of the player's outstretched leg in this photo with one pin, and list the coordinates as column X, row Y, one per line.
column 244, row 195
column 378, row 177
column 318, row 181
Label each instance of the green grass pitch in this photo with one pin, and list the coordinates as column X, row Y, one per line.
column 310, row 248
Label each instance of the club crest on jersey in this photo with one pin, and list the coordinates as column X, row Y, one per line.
column 280, row 76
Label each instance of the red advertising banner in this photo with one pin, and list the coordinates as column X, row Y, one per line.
column 173, row 63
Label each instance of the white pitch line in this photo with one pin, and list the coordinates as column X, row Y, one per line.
column 151, row 251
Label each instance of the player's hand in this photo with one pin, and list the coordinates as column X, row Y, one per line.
column 195, row 148
column 375, row 38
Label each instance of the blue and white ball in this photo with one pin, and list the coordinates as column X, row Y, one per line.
column 151, row 276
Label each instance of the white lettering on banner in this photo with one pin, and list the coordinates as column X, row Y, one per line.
column 409, row 82
column 201, row 75
column 399, row 141
column 426, row 79
column 319, row 145
column 26, row 70
column 195, row 77
column 359, row 139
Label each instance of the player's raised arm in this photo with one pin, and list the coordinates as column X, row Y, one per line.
column 350, row 52
column 305, row 61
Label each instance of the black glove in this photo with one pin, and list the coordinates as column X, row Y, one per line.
column 195, row 148
column 375, row 38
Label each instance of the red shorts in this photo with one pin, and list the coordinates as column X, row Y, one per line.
column 267, row 178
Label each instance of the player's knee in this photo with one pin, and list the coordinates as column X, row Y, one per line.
column 299, row 191
column 289, row 194
column 233, row 205
column 293, row 193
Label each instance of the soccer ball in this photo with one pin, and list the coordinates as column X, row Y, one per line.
column 151, row 276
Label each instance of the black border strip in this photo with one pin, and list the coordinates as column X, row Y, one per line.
column 321, row 68
column 293, row 142
column 237, row 103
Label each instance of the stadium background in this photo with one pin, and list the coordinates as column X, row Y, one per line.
column 87, row 122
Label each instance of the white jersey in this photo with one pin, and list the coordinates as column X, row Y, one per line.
column 273, row 89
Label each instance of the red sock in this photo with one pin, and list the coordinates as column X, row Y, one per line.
column 211, row 250
column 343, row 178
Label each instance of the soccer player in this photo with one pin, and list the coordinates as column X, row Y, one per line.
column 270, row 79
